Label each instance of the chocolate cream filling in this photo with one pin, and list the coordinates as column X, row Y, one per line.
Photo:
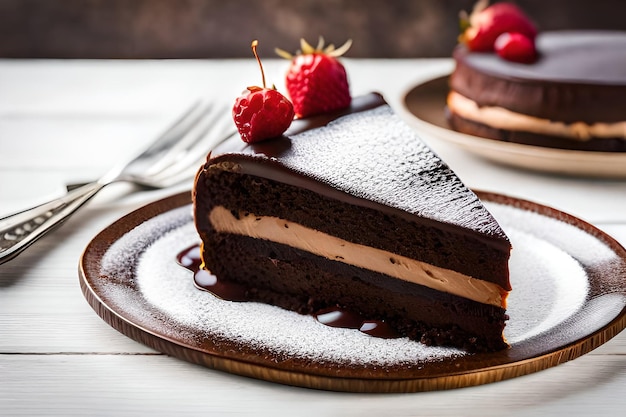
column 333, row 248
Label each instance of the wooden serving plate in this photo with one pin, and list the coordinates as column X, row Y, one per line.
column 569, row 297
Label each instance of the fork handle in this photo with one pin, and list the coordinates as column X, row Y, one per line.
column 20, row 230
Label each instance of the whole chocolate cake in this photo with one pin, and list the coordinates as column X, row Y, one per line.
column 353, row 210
column 571, row 97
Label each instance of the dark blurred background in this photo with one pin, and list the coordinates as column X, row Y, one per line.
column 224, row 28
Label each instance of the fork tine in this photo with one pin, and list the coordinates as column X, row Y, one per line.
column 174, row 131
column 194, row 134
column 217, row 133
column 164, row 141
column 203, row 139
column 212, row 114
column 164, row 150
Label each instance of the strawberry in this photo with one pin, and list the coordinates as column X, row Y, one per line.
column 516, row 47
column 316, row 81
column 261, row 113
column 481, row 29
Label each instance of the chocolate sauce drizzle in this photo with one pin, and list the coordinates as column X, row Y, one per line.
column 333, row 316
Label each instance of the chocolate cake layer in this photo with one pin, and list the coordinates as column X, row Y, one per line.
column 428, row 242
column 298, row 281
column 580, row 76
column 358, row 213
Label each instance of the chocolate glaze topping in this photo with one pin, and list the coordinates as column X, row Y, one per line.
column 579, row 76
column 370, row 158
column 586, row 57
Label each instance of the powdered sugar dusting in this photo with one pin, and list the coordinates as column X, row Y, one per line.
column 120, row 259
column 557, row 299
column 549, row 286
column 166, row 289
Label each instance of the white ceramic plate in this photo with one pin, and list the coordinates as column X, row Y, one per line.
column 424, row 108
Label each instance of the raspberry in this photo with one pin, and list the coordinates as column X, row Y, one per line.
column 516, row 47
column 261, row 113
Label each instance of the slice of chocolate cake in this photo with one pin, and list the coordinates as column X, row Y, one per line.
column 354, row 210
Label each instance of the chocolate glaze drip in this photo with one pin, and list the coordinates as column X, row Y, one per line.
column 333, row 316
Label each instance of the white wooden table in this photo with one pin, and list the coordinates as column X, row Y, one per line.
column 67, row 121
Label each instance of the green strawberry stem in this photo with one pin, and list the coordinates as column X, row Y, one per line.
column 307, row 49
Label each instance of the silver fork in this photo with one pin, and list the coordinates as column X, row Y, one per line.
column 167, row 161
